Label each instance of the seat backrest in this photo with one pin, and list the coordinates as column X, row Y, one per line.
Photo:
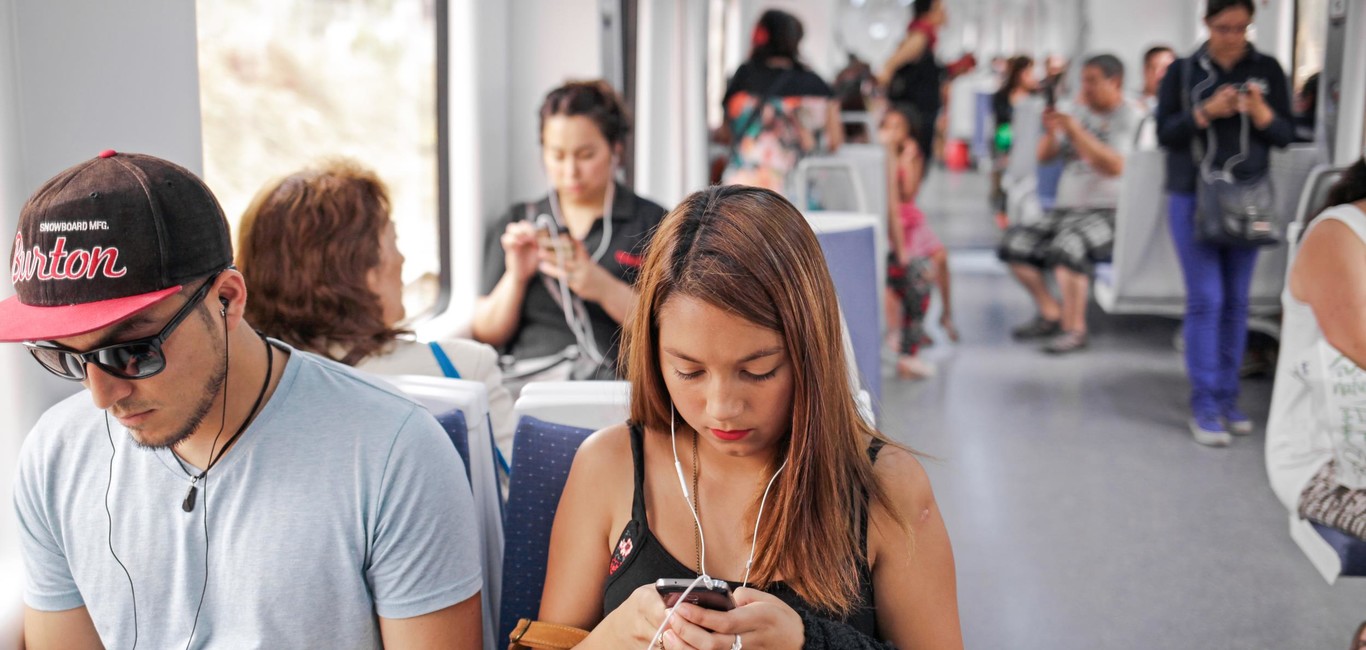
column 828, row 183
column 471, row 398
column 1312, row 200
column 1290, row 169
column 542, row 455
column 870, row 163
column 1026, row 127
column 864, row 119
column 851, row 253
column 453, row 421
column 590, row 405
column 1145, row 272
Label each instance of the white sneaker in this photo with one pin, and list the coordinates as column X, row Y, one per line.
column 1215, row 437
column 914, row 368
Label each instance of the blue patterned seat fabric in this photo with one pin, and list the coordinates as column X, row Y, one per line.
column 542, row 453
column 453, row 421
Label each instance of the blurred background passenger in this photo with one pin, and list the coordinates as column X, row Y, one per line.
column 1306, row 109
column 731, row 356
column 855, row 86
column 1018, row 83
column 913, row 77
column 1226, row 81
column 1055, row 75
column 1092, row 140
column 1323, row 337
column 557, row 272
column 320, row 253
column 917, row 259
column 1155, row 63
column 775, row 107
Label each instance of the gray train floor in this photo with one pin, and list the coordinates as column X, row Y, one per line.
column 1082, row 514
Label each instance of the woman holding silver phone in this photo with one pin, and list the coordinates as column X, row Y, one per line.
column 745, row 459
column 557, row 275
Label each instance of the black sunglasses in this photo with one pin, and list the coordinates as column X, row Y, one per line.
column 137, row 359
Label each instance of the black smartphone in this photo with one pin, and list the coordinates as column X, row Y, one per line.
column 713, row 594
column 1050, row 95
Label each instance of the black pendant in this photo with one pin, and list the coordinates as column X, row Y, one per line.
column 188, row 504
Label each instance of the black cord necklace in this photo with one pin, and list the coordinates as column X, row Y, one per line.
column 188, row 504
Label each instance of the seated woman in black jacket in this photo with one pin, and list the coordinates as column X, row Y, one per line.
column 740, row 461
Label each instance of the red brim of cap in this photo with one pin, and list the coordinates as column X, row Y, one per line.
column 20, row 322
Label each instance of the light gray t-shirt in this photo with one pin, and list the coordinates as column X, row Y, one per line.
column 1081, row 185
column 342, row 502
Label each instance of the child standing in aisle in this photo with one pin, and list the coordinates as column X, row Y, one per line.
column 917, row 258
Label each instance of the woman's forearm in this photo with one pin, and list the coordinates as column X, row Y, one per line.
column 497, row 315
column 618, row 300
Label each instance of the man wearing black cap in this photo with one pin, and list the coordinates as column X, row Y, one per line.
column 245, row 494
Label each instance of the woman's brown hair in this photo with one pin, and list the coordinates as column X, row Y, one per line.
column 748, row 251
column 306, row 245
column 595, row 100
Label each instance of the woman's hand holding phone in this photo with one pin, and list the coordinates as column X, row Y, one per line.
column 761, row 620
column 519, row 250
column 1223, row 103
column 1253, row 102
column 566, row 260
column 633, row 624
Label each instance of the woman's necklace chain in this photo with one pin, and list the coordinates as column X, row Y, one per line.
column 697, row 530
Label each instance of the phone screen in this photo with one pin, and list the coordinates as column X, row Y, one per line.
column 550, row 241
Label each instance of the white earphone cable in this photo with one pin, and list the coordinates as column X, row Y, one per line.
column 579, row 323
column 687, row 498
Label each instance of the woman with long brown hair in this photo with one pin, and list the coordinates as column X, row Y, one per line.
column 746, row 459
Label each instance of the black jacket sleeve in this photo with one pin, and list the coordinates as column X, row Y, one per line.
column 822, row 634
column 1280, row 132
column 1175, row 122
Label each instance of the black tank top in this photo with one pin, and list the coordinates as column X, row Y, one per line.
column 639, row 559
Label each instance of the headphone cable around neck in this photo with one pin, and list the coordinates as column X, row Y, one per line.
column 188, row 504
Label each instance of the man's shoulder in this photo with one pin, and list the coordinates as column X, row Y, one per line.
column 68, row 418
column 332, row 386
column 65, row 435
column 1130, row 112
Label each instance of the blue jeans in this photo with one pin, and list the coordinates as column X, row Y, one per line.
column 1218, row 280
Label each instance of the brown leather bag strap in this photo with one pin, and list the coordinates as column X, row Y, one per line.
column 535, row 635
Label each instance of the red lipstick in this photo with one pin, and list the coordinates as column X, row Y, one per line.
column 731, row 436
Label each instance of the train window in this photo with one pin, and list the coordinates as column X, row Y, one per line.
column 287, row 83
column 1311, row 33
column 724, row 53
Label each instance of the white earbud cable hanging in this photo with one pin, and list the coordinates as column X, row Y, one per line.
column 687, row 498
